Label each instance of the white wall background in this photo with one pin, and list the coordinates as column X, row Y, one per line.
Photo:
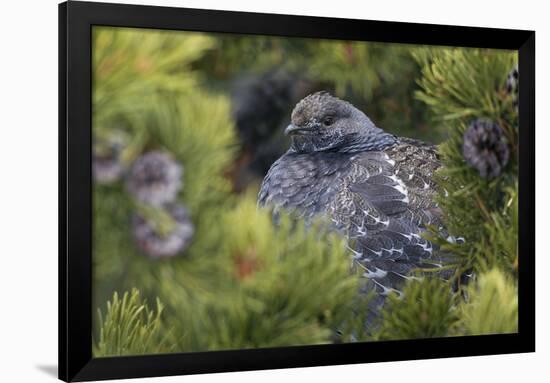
column 28, row 189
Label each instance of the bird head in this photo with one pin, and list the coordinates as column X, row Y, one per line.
column 322, row 122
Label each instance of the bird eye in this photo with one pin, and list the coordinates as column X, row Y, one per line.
column 328, row 121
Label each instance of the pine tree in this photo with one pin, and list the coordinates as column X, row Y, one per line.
column 239, row 281
column 221, row 274
column 131, row 327
column 465, row 90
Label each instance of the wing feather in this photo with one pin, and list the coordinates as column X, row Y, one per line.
column 383, row 205
column 382, row 201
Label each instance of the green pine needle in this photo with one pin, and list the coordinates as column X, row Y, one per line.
column 425, row 310
column 493, row 308
column 130, row 327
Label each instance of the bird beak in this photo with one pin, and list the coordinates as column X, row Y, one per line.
column 293, row 129
column 289, row 129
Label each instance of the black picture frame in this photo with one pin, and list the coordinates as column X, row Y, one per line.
column 75, row 185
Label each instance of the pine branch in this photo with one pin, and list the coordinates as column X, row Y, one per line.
column 425, row 310
column 493, row 308
column 130, row 327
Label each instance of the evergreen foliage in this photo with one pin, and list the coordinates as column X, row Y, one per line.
column 460, row 87
column 278, row 287
column 425, row 310
column 241, row 281
column 129, row 326
column 493, row 308
column 480, row 214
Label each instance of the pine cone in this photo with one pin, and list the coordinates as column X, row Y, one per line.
column 106, row 165
column 512, row 86
column 485, row 148
column 155, row 178
column 157, row 245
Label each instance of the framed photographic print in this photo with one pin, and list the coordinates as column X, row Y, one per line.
column 246, row 191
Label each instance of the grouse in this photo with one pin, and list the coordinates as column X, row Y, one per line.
column 377, row 189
